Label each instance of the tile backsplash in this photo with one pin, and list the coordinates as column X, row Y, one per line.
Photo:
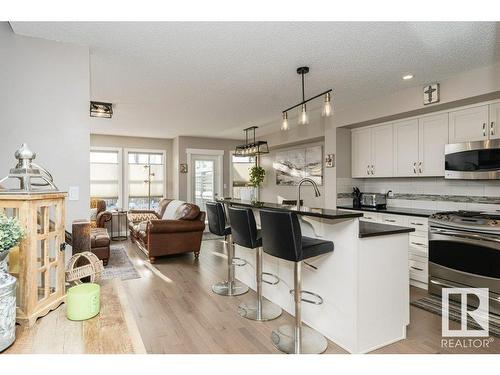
column 433, row 193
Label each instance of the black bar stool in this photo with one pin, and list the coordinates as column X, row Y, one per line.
column 217, row 226
column 245, row 233
column 282, row 238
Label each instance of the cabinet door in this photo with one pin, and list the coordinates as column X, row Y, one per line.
column 494, row 126
column 361, row 153
column 405, row 148
column 469, row 124
column 433, row 136
column 382, row 151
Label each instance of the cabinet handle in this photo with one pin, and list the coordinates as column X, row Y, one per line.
column 390, row 220
column 484, row 129
column 419, row 167
column 415, row 167
column 416, row 268
column 492, row 129
column 416, row 223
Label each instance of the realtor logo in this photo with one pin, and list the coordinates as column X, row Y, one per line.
column 478, row 315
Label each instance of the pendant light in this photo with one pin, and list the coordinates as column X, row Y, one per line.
column 327, row 106
column 303, row 116
column 284, row 124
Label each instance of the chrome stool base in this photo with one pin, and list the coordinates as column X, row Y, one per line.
column 224, row 288
column 269, row 310
column 312, row 341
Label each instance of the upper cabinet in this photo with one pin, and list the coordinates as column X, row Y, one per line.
column 494, row 127
column 415, row 147
column 372, row 152
column 361, row 157
column 406, row 148
column 432, row 138
column 470, row 124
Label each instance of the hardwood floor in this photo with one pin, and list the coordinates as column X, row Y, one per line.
column 176, row 311
column 113, row 331
column 171, row 309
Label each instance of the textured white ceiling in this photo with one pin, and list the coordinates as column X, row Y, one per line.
column 213, row 79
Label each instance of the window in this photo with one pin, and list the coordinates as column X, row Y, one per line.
column 105, row 176
column 240, row 167
column 145, row 178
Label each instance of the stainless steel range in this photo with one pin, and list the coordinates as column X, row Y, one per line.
column 464, row 251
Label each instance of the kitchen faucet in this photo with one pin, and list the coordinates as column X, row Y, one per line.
column 315, row 186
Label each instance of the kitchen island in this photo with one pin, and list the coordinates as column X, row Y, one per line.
column 364, row 283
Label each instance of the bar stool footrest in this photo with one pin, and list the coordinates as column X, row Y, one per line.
column 318, row 301
column 239, row 262
column 270, row 282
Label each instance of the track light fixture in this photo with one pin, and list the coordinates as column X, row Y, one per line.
column 303, row 116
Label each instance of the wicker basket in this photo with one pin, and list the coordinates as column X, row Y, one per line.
column 93, row 269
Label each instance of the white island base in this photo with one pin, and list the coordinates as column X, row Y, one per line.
column 364, row 284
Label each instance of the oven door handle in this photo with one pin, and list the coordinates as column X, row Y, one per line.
column 466, row 235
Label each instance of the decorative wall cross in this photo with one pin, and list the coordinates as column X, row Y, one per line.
column 431, row 93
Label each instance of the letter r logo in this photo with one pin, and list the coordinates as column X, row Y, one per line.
column 479, row 314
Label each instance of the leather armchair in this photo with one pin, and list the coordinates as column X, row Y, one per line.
column 102, row 216
column 157, row 237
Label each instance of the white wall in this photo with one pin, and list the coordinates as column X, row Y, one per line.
column 44, row 101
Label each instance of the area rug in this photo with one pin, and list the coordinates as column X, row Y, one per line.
column 119, row 266
column 433, row 305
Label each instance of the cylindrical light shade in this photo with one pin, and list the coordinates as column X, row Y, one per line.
column 284, row 124
column 303, row 118
column 327, row 106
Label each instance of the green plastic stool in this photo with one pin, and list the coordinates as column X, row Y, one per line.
column 83, row 301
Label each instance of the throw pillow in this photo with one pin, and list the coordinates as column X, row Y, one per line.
column 93, row 214
column 169, row 213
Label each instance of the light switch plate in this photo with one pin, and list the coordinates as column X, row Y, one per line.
column 74, row 193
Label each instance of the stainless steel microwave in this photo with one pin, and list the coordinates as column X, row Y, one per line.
column 478, row 160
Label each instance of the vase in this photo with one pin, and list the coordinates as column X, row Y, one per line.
column 7, row 304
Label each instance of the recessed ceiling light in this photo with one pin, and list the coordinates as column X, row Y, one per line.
column 407, row 77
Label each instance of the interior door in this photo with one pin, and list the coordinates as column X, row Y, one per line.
column 470, row 124
column 406, row 148
column 433, row 136
column 382, row 151
column 204, row 179
column 361, row 153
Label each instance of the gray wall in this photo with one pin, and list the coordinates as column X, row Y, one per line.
column 44, row 101
column 98, row 140
column 184, row 143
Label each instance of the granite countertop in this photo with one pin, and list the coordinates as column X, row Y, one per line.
column 368, row 229
column 392, row 210
column 325, row 213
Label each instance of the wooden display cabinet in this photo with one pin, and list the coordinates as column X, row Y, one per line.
column 38, row 261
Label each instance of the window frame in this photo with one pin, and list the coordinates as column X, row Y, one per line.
column 126, row 151
column 120, row 169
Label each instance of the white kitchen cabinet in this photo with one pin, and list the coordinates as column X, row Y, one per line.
column 382, row 151
column 372, row 152
column 494, row 127
column 432, row 138
column 470, row 124
column 406, row 148
column 361, row 153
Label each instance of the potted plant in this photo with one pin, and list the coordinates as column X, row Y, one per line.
column 11, row 233
column 257, row 174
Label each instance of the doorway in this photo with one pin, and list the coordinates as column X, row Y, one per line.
column 205, row 176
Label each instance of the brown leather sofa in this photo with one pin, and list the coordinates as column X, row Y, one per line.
column 102, row 216
column 176, row 227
